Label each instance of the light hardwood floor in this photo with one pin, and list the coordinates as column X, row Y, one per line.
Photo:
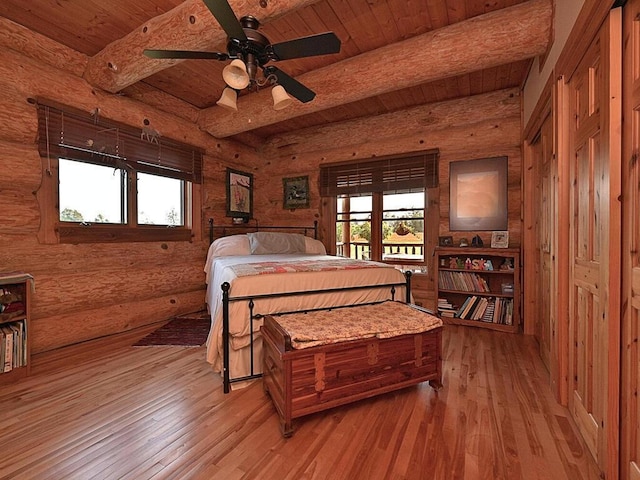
column 106, row 410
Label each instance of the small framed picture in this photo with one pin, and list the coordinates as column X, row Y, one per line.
column 296, row 192
column 239, row 194
column 446, row 241
column 500, row 239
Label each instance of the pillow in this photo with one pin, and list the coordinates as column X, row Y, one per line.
column 314, row 247
column 265, row 243
column 232, row 245
column 226, row 246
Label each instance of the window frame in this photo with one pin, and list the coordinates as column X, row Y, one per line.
column 375, row 177
column 376, row 244
column 53, row 230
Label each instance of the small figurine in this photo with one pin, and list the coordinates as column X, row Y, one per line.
column 477, row 264
column 506, row 265
column 149, row 133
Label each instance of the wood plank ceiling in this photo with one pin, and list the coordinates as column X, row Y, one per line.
column 100, row 29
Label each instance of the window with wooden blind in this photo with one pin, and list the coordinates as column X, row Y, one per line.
column 379, row 207
column 114, row 182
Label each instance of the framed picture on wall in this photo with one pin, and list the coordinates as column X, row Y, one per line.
column 500, row 239
column 239, row 194
column 296, row 192
column 446, row 241
column 478, row 194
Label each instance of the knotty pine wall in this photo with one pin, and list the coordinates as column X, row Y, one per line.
column 90, row 290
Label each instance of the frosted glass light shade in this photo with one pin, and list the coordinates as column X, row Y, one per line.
column 228, row 99
column 281, row 98
column 235, row 75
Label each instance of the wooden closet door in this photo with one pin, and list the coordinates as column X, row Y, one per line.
column 594, row 315
column 630, row 424
column 542, row 304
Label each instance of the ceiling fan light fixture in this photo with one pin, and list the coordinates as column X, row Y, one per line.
column 235, row 75
column 281, row 98
column 228, row 99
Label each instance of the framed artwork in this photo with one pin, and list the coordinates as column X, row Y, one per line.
column 446, row 241
column 239, row 194
column 296, row 192
column 500, row 239
column 478, row 194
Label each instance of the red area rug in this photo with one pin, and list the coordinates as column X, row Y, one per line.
column 186, row 331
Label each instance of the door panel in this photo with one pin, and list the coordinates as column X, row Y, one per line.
column 543, row 307
column 630, row 455
column 594, row 248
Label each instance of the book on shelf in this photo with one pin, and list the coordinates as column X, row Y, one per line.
column 463, row 281
column 468, row 307
column 480, row 309
column 8, row 349
column 13, row 346
column 446, row 309
column 488, row 313
column 463, row 307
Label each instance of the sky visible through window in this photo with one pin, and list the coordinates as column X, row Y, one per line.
column 94, row 191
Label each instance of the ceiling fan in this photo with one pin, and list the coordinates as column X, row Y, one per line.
column 249, row 51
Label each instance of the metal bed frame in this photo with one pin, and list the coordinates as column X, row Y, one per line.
column 255, row 227
column 250, row 299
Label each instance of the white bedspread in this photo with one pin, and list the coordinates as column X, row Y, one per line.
column 272, row 283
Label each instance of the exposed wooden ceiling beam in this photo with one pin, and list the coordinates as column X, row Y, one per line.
column 41, row 48
column 189, row 26
column 508, row 35
column 419, row 120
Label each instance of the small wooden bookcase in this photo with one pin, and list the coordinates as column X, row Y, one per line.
column 479, row 287
column 15, row 328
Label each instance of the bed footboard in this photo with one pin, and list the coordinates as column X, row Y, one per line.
column 227, row 299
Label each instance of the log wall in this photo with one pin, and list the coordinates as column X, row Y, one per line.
column 90, row 290
column 481, row 126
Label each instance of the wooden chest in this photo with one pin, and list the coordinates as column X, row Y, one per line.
column 308, row 380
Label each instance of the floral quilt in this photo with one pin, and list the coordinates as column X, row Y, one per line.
column 261, row 268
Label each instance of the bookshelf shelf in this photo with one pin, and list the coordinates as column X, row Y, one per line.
column 479, row 287
column 15, row 350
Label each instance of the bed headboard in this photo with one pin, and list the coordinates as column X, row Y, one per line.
column 225, row 230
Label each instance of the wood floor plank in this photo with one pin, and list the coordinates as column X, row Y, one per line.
column 107, row 410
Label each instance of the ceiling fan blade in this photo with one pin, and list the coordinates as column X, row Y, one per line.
column 186, row 54
column 321, row 44
column 291, row 85
column 223, row 13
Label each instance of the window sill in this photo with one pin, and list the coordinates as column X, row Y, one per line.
column 76, row 233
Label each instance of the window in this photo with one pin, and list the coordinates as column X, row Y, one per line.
column 114, row 182
column 91, row 193
column 380, row 207
column 160, row 200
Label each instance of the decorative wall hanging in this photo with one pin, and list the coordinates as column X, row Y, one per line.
column 478, row 194
column 239, row 194
column 500, row 239
column 446, row 241
column 296, row 192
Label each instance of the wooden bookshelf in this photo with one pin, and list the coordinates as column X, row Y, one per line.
column 15, row 328
column 470, row 291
